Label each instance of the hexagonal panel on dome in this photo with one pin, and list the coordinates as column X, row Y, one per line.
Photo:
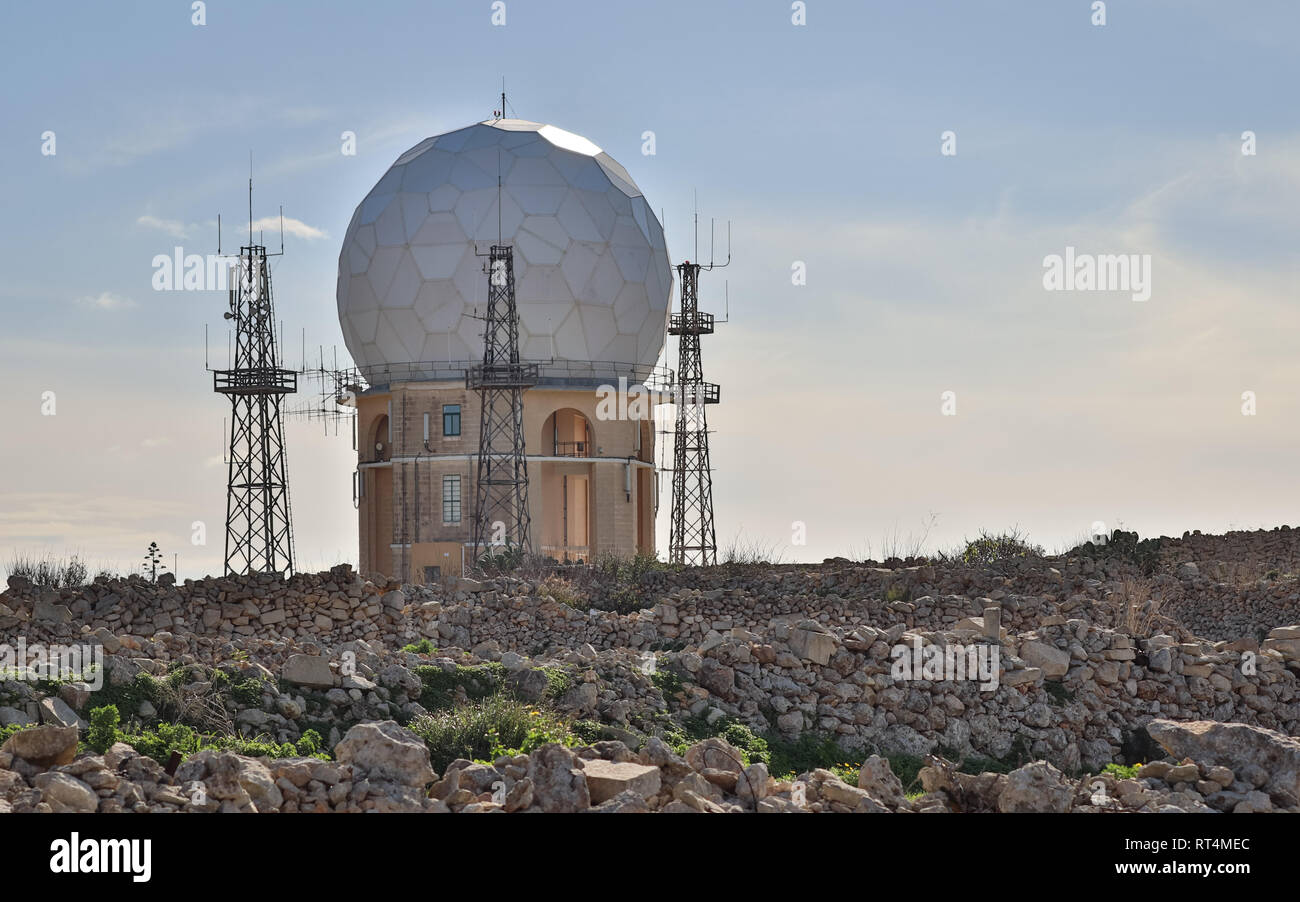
column 591, row 270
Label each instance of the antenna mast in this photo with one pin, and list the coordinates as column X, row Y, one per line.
column 501, row 517
column 259, row 526
column 692, row 538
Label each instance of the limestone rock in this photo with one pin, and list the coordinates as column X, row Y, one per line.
column 1053, row 661
column 44, row 746
column 812, row 644
column 1237, row 746
column 66, row 794
column 607, row 779
column 311, row 671
column 56, row 711
column 48, row 612
column 388, row 752
column 1036, row 787
column 715, row 752
column 626, row 802
column 559, row 784
column 877, row 778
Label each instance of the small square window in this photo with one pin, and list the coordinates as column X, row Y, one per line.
column 451, row 419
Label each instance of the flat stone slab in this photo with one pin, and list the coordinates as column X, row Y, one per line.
column 51, row 613
column 812, row 646
column 1018, row 677
column 606, row 779
column 311, row 671
column 1051, row 660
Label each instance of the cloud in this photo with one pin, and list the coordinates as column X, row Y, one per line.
column 270, row 224
column 170, row 226
column 155, row 442
column 107, row 301
column 292, row 226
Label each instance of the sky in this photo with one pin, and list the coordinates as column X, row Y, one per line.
column 824, row 145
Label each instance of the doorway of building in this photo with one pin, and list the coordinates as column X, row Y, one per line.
column 575, row 525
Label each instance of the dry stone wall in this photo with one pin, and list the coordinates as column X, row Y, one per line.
column 1092, row 650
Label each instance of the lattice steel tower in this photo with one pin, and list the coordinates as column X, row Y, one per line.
column 501, row 491
column 259, row 530
column 691, row 538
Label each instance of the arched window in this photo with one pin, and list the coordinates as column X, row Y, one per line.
column 567, row 433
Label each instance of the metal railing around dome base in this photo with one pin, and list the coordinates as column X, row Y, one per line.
column 550, row 373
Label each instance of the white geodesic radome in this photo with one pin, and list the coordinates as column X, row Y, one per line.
column 592, row 278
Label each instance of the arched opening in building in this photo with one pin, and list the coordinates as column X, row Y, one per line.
column 566, row 486
column 567, row 433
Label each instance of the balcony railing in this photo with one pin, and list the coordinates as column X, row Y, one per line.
column 573, row 449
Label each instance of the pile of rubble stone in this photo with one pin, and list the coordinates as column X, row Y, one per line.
column 383, row 767
column 1091, row 650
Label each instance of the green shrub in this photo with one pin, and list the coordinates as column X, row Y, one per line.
column 667, row 682
column 248, row 692
column 440, row 686
column 625, row 599
column 159, row 742
column 809, row 752
column 589, row 731
column 310, row 743
column 991, row 549
column 753, row 749
column 507, row 560
column 627, row 569
column 1122, row 771
column 128, row 698
column 562, row 590
column 104, row 730
column 480, row 731
column 48, row 570
column 681, row 736
column 423, row 647
column 558, row 681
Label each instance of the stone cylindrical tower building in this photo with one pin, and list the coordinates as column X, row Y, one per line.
column 592, row 289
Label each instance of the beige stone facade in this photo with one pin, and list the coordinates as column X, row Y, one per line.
column 592, row 481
